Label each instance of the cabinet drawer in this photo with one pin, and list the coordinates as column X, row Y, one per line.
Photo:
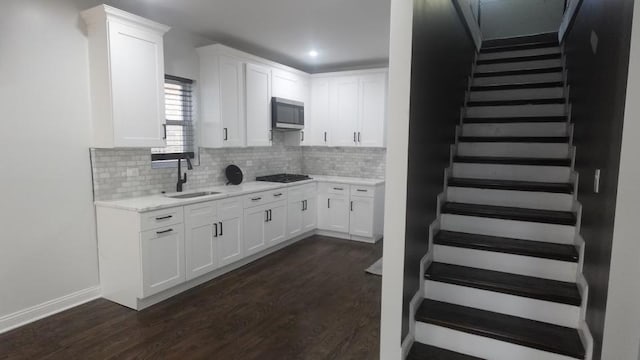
column 334, row 188
column 160, row 218
column 365, row 191
column 264, row 197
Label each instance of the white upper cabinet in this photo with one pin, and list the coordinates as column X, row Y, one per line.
column 126, row 62
column 373, row 110
column 318, row 131
column 288, row 85
column 344, row 110
column 258, row 105
column 231, row 102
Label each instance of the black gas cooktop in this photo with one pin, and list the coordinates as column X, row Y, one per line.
column 283, row 178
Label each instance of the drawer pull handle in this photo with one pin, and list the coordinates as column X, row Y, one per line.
column 221, row 233
column 277, row 195
column 164, row 217
column 256, row 199
column 339, row 189
column 362, row 190
column 164, row 231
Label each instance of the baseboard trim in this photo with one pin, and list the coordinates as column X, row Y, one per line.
column 48, row 308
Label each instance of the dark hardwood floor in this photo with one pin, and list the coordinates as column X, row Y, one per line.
column 311, row 300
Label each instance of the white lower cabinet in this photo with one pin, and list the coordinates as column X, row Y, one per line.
column 275, row 230
column 162, row 257
column 201, row 228
column 361, row 217
column 254, row 229
column 302, row 210
column 230, row 237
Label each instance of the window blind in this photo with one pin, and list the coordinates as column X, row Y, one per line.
column 180, row 135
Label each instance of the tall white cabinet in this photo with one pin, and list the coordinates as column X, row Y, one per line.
column 126, row 60
column 258, row 104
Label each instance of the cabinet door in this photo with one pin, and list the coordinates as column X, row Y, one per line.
column 276, row 227
column 231, row 101
column 310, row 214
column 136, row 58
column 294, row 218
column 201, row 230
column 361, row 223
column 162, row 259
column 230, row 239
column 373, row 110
column 258, row 105
column 334, row 213
column 209, row 89
column 287, row 85
column 318, row 131
column 344, row 109
column 254, row 230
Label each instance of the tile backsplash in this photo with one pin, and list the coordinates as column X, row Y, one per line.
column 125, row 173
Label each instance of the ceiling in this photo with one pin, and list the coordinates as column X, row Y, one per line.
column 346, row 33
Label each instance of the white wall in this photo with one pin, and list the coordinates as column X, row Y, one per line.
column 396, row 178
column 470, row 11
column 48, row 252
column 622, row 321
column 507, row 18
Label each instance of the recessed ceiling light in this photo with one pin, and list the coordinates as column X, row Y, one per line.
column 313, row 53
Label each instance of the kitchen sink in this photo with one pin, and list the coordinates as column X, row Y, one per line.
column 192, row 195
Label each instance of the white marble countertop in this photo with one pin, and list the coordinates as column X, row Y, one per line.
column 162, row 201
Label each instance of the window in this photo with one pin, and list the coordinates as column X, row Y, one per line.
column 179, row 128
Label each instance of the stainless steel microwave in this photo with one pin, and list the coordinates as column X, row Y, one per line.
column 287, row 114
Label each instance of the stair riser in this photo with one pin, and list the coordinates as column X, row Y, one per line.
column 545, row 311
column 552, row 233
column 519, row 129
column 512, row 198
column 512, row 172
column 479, row 346
column 517, row 111
column 527, row 150
column 518, row 79
column 519, row 53
column 517, row 94
column 522, row 65
column 508, row 263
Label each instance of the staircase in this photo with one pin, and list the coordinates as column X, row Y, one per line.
column 503, row 276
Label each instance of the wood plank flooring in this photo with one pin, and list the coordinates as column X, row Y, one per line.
column 311, row 300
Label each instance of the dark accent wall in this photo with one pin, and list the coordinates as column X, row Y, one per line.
column 598, row 87
column 443, row 54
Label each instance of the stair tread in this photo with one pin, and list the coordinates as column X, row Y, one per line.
column 517, row 119
column 545, row 70
column 421, row 351
column 539, row 249
column 512, row 160
column 540, row 85
column 545, row 101
column 534, row 334
column 515, row 47
column 513, row 59
column 516, row 139
column 510, row 213
column 512, row 284
column 566, row 188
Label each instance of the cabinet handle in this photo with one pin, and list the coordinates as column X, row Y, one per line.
column 359, row 136
column 306, row 205
column 164, row 137
column 226, row 133
column 302, row 205
column 325, row 136
column 351, row 206
column 256, row 199
column 329, row 203
column 277, row 195
column 270, row 215
column 266, row 214
column 354, row 137
column 339, row 189
column 302, row 135
column 221, row 228
column 164, row 217
column 215, row 228
column 362, row 190
column 164, row 231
